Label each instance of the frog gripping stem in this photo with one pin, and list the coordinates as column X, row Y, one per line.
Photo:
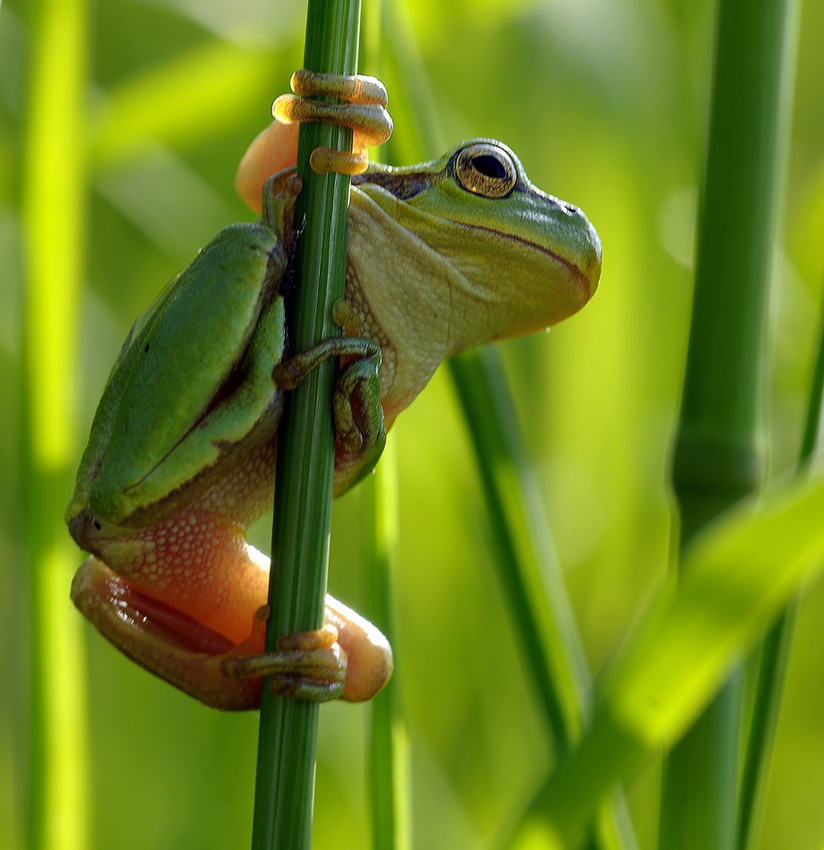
column 359, row 423
column 363, row 111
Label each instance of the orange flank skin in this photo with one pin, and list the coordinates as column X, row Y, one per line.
column 199, row 563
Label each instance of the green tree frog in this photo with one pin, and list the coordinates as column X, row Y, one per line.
column 442, row 256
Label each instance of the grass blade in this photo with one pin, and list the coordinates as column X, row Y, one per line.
column 527, row 567
column 738, row 575
column 389, row 789
column 525, row 555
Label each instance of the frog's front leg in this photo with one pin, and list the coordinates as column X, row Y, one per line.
column 360, row 432
column 363, row 110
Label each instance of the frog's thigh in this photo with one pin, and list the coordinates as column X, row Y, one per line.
column 164, row 642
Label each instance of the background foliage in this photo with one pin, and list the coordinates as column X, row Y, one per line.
column 605, row 103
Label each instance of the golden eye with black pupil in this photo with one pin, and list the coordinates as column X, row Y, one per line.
column 486, row 170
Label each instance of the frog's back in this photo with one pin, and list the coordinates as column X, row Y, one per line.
column 159, row 419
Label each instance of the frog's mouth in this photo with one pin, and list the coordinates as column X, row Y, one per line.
column 174, row 646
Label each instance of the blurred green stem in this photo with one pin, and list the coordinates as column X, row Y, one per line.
column 54, row 219
column 389, row 774
column 389, row 769
column 284, row 791
column 775, row 647
column 718, row 452
column 528, row 569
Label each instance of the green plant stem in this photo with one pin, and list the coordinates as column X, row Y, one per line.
column 389, row 791
column 284, row 789
column 775, row 647
column 739, row 574
column 389, row 771
column 527, row 566
column 717, row 453
column 528, row 570
column 54, row 221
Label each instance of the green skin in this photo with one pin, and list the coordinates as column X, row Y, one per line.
column 181, row 456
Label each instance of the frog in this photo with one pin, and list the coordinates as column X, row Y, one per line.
column 442, row 256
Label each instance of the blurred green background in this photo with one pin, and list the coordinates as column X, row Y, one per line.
column 605, row 103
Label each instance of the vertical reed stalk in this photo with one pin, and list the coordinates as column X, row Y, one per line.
column 528, row 569
column 54, row 220
column 300, row 546
column 389, row 770
column 775, row 648
column 718, row 445
column 389, row 778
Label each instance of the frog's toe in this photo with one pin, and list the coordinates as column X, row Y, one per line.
column 305, row 689
column 307, row 666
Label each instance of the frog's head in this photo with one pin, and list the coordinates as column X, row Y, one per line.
column 514, row 258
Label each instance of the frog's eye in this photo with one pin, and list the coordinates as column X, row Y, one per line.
column 486, row 170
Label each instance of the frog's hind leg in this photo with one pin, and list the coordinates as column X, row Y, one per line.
column 172, row 645
column 227, row 675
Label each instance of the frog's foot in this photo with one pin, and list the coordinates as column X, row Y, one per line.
column 363, row 111
column 308, row 666
column 227, row 675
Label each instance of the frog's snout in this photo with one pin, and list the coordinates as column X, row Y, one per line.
column 589, row 262
column 82, row 527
